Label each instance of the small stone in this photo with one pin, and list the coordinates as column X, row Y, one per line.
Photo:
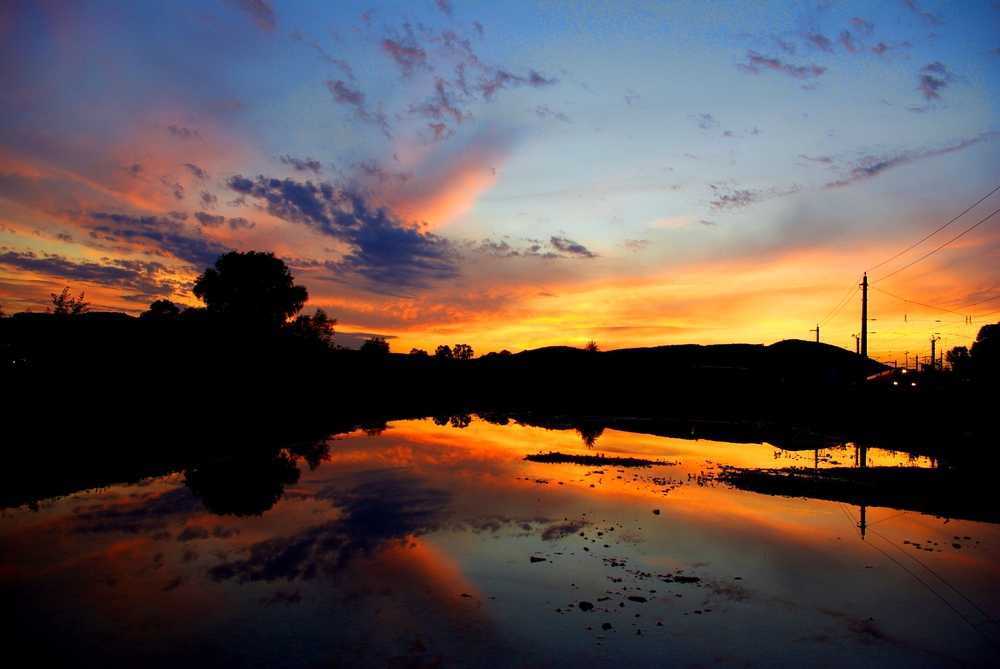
column 656, row 512
column 537, row 559
column 606, row 626
column 659, row 624
column 466, row 595
column 585, row 606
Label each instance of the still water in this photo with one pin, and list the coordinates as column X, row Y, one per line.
column 439, row 545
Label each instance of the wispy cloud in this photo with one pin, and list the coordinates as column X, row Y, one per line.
column 930, row 18
column 757, row 62
column 141, row 280
column 704, row 121
column 300, row 165
column 260, row 11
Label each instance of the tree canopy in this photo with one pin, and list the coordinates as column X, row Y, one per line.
column 252, row 290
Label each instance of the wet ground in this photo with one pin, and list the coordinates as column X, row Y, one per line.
column 440, row 545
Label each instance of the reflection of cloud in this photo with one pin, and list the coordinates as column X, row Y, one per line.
column 135, row 514
column 560, row 530
column 373, row 515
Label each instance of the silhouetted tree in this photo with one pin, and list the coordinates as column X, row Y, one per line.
column 374, row 428
column 443, row 351
column 375, row 346
column 592, row 347
column 253, row 291
column 161, row 311
column 462, row 352
column 958, row 358
column 64, row 305
column 985, row 352
column 319, row 327
column 418, row 351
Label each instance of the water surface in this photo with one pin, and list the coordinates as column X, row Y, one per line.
column 439, row 545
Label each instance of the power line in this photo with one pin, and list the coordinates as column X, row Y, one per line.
column 843, row 302
column 941, row 309
column 938, row 248
column 935, row 232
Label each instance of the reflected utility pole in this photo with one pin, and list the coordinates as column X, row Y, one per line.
column 863, row 525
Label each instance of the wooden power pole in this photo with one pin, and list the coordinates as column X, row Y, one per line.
column 864, row 316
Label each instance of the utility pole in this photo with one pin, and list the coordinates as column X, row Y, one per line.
column 864, row 316
column 934, row 340
column 817, row 332
column 857, row 343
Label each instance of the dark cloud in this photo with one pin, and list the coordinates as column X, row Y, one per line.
column 440, row 131
column 867, row 166
column 345, row 95
column 565, row 245
column 498, row 79
column 442, row 103
column 372, row 516
column 133, row 170
column 142, row 281
column 499, row 249
column 384, row 250
column 166, row 234
column 704, row 121
column 260, row 11
column 444, row 6
column 881, row 48
column 735, row 199
column 209, row 220
column 757, row 62
column 818, row 40
column 543, row 111
column 926, row 16
column 478, row 27
column 208, row 200
column 196, row 171
column 407, row 57
column 372, row 169
column 636, row 245
column 932, row 78
column 299, row 165
column 240, row 223
column 183, row 133
column 706, row 223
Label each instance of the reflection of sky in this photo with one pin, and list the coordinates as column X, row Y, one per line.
column 513, row 175
column 414, row 546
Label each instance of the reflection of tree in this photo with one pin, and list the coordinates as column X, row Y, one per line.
column 589, row 434
column 313, row 452
column 246, row 485
column 373, row 428
column 459, row 420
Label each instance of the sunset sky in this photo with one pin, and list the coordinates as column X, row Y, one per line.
column 515, row 175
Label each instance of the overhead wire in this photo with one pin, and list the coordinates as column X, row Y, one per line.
column 843, row 303
column 935, row 232
column 930, row 253
column 919, row 580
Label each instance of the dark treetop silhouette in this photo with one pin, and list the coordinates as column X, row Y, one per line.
column 251, row 291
